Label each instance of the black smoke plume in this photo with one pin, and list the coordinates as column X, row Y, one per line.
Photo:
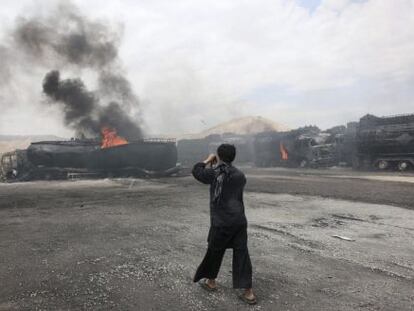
column 69, row 40
column 70, row 36
column 82, row 111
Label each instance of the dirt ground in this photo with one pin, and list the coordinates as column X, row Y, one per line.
column 129, row 244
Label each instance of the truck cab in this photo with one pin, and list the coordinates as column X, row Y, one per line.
column 13, row 164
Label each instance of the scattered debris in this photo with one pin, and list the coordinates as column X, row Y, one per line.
column 348, row 217
column 341, row 237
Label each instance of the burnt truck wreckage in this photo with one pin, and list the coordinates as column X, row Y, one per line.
column 86, row 158
column 385, row 143
column 304, row 147
column 372, row 143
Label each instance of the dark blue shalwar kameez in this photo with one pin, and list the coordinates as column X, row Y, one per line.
column 228, row 223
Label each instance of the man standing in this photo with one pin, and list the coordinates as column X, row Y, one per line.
column 228, row 227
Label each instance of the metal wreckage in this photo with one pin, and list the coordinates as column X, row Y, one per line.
column 383, row 143
column 372, row 143
column 79, row 158
column 305, row 147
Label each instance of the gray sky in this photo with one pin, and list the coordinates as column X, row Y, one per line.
column 194, row 63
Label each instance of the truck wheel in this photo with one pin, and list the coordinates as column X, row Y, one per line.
column 403, row 166
column 382, row 165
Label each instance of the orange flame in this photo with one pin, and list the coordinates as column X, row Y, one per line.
column 111, row 139
column 283, row 152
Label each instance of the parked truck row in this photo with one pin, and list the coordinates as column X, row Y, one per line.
column 383, row 143
column 372, row 143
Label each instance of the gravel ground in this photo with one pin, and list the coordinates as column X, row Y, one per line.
column 135, row 244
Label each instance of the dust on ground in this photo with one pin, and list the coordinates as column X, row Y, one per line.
column 130, row 244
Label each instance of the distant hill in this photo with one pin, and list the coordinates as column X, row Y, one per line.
column 245, row 125
column 12, row 142
column 33, row 138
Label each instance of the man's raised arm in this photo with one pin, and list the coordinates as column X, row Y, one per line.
column 202, row 173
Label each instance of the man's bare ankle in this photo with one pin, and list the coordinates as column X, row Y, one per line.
column 211, row 283
column 248, row 293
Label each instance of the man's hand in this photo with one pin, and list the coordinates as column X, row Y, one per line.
column 211, row 159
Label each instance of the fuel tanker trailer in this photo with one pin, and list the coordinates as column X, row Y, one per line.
column 61, row 159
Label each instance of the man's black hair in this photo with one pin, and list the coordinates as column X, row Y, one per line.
column 226, row 152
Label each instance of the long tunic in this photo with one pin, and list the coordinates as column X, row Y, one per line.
column 229, row 209
column 228, row 224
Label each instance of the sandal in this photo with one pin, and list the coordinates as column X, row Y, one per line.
column 247, row 300
column 205, row 286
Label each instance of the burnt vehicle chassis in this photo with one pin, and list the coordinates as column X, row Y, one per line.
column 86, row 159
column 305, row 147
column 385, row 143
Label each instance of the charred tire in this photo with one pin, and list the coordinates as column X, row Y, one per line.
column 383, row 164
column 403, row 166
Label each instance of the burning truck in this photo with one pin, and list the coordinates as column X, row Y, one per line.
column 382, row 143
column 125, row 155
column 114, row 156
column 64, row 43
column 304, row 147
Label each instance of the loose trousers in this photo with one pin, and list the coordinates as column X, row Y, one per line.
column 219, row 239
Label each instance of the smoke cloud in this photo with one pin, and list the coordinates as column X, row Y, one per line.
column 69, row 35
column 198, row 63
column 65, row 40
column 82, row 110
